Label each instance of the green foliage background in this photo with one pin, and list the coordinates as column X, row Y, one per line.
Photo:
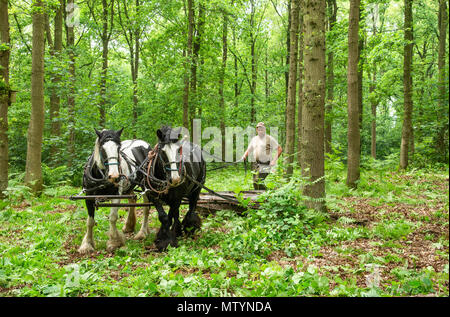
column 160, row 84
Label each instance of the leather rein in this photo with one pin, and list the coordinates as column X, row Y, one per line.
column 162, row 185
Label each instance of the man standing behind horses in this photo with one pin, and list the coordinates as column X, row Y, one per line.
column 262, row 146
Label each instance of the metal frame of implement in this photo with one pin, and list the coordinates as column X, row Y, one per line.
column 213, row 200
column 100, row 198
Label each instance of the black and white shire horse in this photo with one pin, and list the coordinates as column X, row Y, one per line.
column 176, row 170
column 112, row 169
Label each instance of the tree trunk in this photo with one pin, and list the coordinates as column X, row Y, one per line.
column 222, row 108
column 360, row 71
column 253, row 86
column 288, row 52
column 196, row 44
column 188, row 61
column 353, row 132
column 290, row 109
column 407, row 86
column 332, row 6
column 4, row 94
column 421, row 91
column 442, row 145
column 236, row 81
column 373, row 99
column 135, row 73
column 105, row 42
column 314, row 103
column 266, row 78
column 300, row 84
column 33, row 169
column 373, row 106
column 71, row 95
column 254, row 67
column 132, row 31
column 55, row 51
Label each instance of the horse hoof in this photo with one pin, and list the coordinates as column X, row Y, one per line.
column 176, row 230
column 162, row 245
column 115, row 243
column 111, row 246
column 140, row 236
column 163, row 240
column 191, row 224
column 86, row 248
column 128, row 230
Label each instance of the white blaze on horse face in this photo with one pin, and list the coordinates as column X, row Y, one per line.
column 171, row 150
column 112, row 153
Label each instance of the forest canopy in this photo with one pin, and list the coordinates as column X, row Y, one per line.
column 139, row 64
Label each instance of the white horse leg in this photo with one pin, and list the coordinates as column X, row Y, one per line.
column 144, row 232
column 87, row 246
column 130, row 224
column 116, row 238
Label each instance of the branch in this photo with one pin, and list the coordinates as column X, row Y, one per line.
column 80, row 37
column 48, row 33
column 243, row 66
column 276, row 10
column 21, row 34
column 111, row 22
column 92, row 12
column 129, row 41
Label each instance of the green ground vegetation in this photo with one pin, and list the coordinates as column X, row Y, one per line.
column 389, row 237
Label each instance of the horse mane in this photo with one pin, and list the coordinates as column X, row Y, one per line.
column 96, row 154
column 170, row 134
column 106, row 135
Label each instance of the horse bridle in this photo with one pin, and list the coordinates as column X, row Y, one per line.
column 164, row 184
column 106, row 162
column 169, row 169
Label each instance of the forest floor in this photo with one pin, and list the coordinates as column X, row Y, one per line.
column 390, row 237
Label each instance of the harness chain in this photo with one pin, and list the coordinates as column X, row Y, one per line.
column 164, row 184
column 151, row 162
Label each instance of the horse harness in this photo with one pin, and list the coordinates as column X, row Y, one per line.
column 93, row 183
column 162, row 185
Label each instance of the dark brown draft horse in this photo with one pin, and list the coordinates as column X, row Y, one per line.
column 175, row 170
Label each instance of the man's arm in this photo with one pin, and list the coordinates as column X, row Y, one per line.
column 249, row 149
column 274, row 161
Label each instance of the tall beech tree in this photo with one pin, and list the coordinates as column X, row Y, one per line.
column 291, row 93
column 314, row 103
column 407, row 86
column 70, row 38
column 332, row 13
column 33, row 169
column 442, row 135
column 300, row 84
column 55, row 100
column 188, row 61
column 374, row 100
column 223, row 68
column 198, row 25
column 4, row 93
column 361, row 37
column 353, row 111
column 130, row 23
column 106, row 36
column 104, row 23
column 254, row 67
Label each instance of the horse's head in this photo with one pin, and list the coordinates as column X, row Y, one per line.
column 107, row 153
column 171, row 149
